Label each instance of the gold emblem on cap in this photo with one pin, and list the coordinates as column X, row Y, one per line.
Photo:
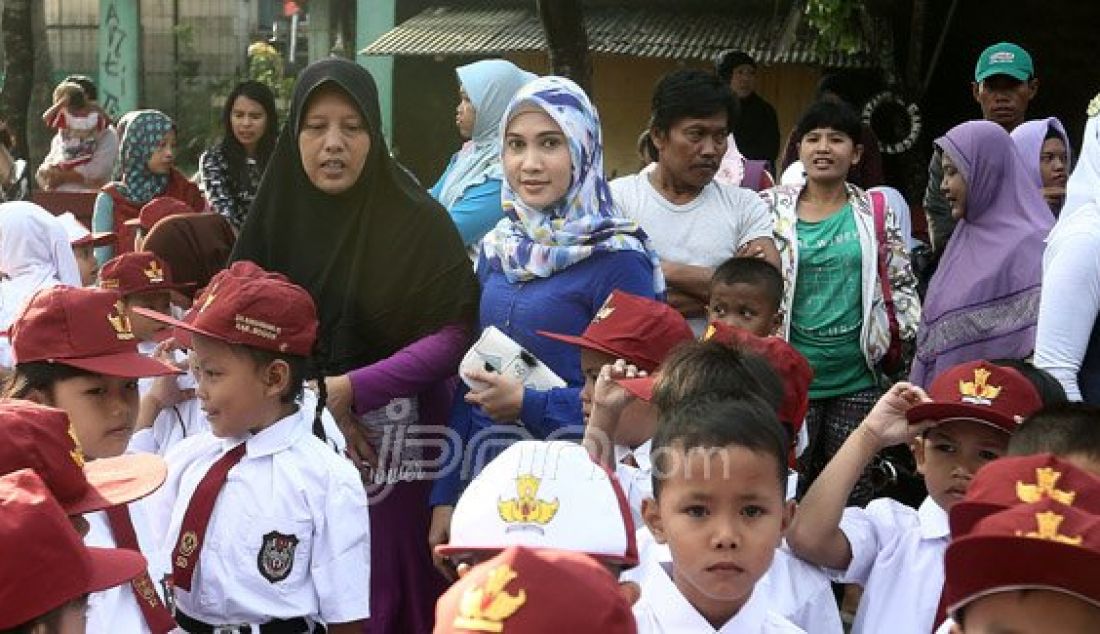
column 1048, row 523
column 978, row 392
column 485, row 608
column 604, row 312
column 1046, row 481
column 120, row 322
column 154, row 272
column 76, row 453
column 527, row 511
column 206, row 302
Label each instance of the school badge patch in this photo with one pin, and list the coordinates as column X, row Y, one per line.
column 276, row 558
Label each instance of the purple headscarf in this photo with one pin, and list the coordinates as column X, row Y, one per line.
column 983, row 301
column 1029, row 137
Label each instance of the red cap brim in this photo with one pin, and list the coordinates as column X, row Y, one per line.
column 942, row 412
column 119, row 480
column 179, row 325
column 641, row 388
column 113, row 567
column 580, row 341
column 99, row 239
column 128, row 365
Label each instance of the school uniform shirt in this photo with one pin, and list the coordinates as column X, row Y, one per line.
column 897, row 556
column 636, row 481
column 663, row 609
column 116, row 609
column 290, row 497
column 792, row 588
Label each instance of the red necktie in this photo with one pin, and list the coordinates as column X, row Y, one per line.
column 193, row 528
column 157, row 617
column 941, row 609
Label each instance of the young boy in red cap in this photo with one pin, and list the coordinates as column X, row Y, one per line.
column 46, row 573
column 639, row 332
column 719, row 484
column 1028, row 569
column 746, row 293
column 75, row 350
column 892, row 550
column 83, row 243
column 144, row 281
column 531, row 591
column 41, row 438
column 267, row 525
column 1068, row 430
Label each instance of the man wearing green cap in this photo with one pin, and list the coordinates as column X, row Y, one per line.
column 1004, row 83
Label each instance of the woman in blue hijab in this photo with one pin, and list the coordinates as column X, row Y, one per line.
column 470, row 186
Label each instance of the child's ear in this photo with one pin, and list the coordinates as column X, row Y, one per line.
column 37, row 396
column 789, row 509
column 917, row 447
column 276, row 377
column 651, row 514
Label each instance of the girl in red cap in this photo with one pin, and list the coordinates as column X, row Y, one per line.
column 75, row 350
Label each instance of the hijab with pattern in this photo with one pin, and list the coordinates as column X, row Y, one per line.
column 145, row 131
column 490, row 85
column 382, row 260
column 530, row 243
column 983, row 301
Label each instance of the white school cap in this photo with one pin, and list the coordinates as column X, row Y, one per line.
column 544, row 494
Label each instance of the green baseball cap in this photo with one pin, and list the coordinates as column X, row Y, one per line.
column 1004, row 58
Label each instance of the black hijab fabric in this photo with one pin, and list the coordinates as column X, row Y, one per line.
column 383, row 260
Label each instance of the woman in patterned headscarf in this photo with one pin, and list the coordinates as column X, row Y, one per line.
column 146, row 171
column 561, row 244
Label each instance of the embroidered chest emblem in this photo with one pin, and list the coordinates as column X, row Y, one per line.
column 485, row 608
column 978, row 391
column 276, row 558
column 526, row 511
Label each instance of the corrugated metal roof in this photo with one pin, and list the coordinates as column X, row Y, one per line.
column 492, row 29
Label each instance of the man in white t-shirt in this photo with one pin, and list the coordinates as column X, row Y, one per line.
column 695, row 223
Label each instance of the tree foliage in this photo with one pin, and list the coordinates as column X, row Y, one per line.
column 837, row 23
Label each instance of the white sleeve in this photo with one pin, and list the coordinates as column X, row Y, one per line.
column 756, row 219
column 340, row 562
column 861, row 529
column 1068, row 308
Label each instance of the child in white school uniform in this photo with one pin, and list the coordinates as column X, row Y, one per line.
column 719, row 480
column 267, row 525
column 894, row 551
column 75, row 350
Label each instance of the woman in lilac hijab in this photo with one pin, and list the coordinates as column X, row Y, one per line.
column 983, row 301
column 1045, row 149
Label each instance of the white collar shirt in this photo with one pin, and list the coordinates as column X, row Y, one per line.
column 897, row 556
column 637, row 482
column 792, row 588
column 292, row 503
column 662, row 609
column 116, row 609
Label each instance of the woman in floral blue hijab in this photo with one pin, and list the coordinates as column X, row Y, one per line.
column 147, row 171
column 548, row 266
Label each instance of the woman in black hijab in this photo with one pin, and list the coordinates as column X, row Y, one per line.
column 396, row 300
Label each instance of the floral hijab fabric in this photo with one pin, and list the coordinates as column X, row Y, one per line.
column 531, row 243
column 144, row 133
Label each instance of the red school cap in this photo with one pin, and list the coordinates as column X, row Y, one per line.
column 981, row 392
column 45, row 564
column 527, row 591
column 41, row 438
column 1017, row 480
column 263, row 312
column 158, row 209
column 642, row 331
column 137, row 272
column 85, row 328
column 1042, row 546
